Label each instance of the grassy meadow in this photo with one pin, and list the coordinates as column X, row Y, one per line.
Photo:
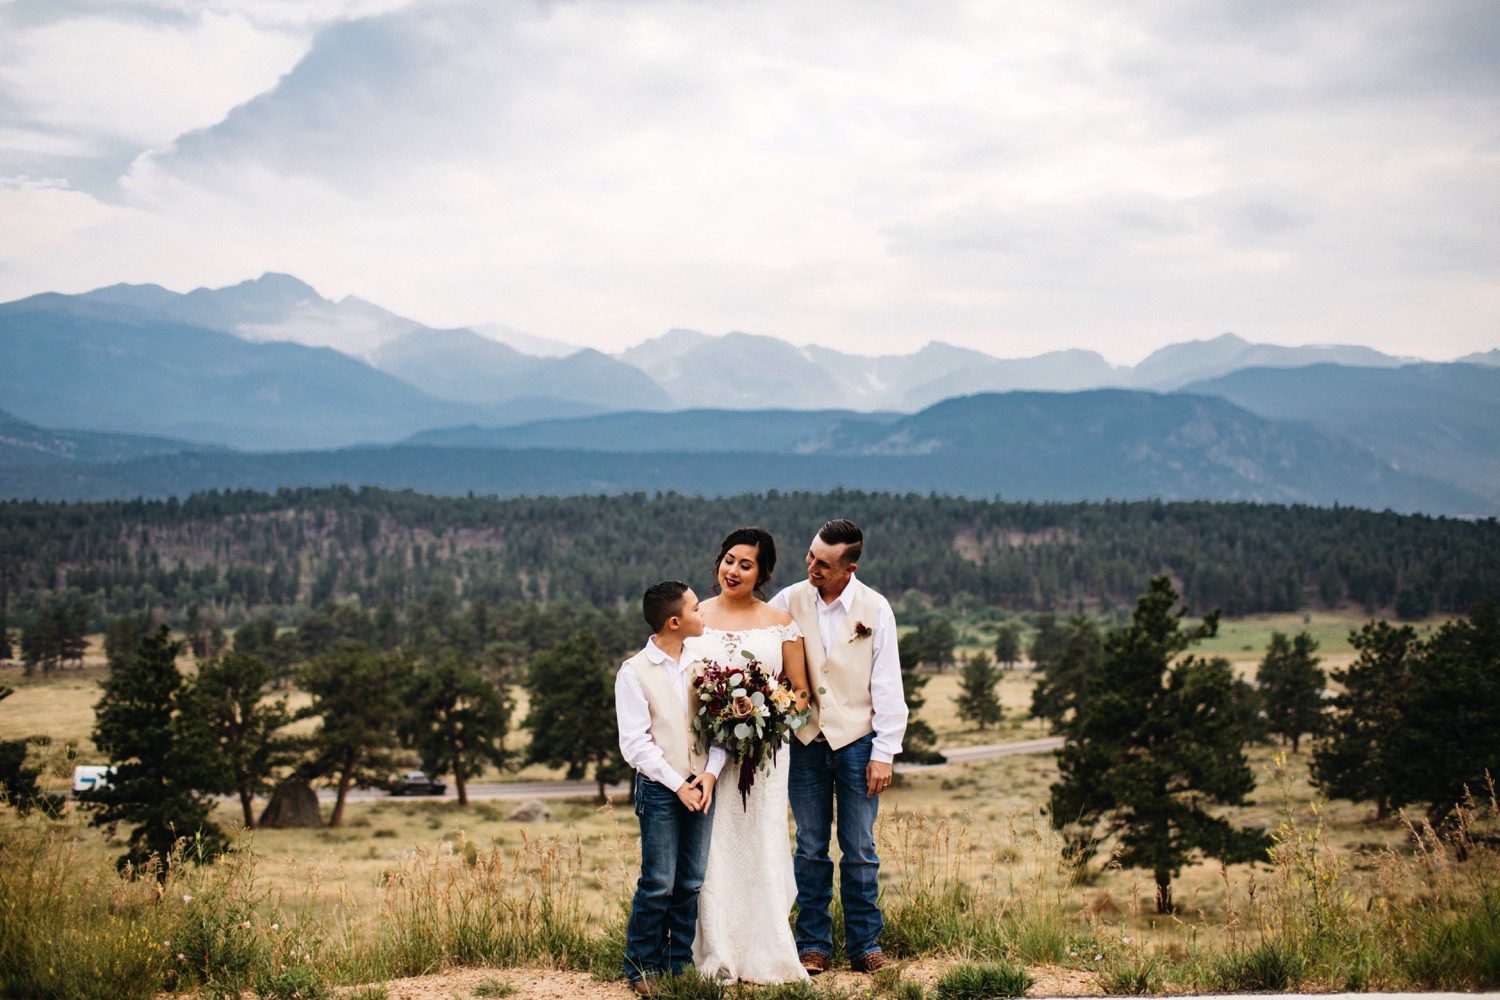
column 973, row 878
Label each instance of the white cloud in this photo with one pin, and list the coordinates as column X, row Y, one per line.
column 870, row 175
column 98, row 76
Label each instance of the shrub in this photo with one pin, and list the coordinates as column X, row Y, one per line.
column 1267, row 968
column 982, row 982
column 1136, row 976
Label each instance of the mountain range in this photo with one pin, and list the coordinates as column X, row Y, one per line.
column 1100, row 444
column 137, row 389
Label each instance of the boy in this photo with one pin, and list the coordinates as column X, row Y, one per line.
column 674, row 787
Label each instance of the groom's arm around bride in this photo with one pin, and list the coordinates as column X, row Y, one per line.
column 843, row 755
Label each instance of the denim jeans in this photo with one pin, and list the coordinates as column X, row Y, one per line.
column 821, row 779
column 674, row 854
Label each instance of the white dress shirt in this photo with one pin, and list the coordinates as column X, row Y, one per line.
column 886, row 695
column 634, row 719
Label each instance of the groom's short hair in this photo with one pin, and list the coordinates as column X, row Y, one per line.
column 841, row 531
column 661, row 602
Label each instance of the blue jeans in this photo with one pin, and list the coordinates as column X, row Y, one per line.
column 674, row 854
column 821, row 778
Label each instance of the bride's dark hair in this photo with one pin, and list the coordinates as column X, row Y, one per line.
column 765, row 553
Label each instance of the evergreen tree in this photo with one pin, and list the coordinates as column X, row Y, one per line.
column 162, row 763
column 261, row 638
column 356, row 693
column 1291, row 687
column 317, row 633
column 457, row 721
column 7, row 651
column 1008, row 645
column 256, row 637
column 1047, row 642
column 1448, row 743
column 572, row 714
column 977, row 701
column 42, row 641
column 73, row 627
column 387, row 626
column 1066, row 668
column 205, row 634
column 228, row 699
column 1158, row 741
column 919, row 744
column 933, row 643
column 122, row 637
column 1355, row 760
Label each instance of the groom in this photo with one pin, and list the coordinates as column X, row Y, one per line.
column 843, row 755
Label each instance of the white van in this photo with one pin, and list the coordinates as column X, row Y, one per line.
column 87, row 777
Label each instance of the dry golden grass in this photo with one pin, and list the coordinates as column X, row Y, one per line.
column 980, row 825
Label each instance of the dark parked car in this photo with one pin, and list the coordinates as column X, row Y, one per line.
column 417, row 783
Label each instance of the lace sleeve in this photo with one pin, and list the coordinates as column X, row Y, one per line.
column 790, row 632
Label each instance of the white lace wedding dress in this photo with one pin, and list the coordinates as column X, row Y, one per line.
column 749, row 888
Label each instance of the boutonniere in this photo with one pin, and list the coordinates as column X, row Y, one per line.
column 861, row 631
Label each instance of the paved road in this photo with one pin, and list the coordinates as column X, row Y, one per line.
column 963, row 755
column 579, row 789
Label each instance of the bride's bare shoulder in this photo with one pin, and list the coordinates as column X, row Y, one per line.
column 775, row 616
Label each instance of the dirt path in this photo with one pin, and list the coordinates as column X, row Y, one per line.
column 551, row 984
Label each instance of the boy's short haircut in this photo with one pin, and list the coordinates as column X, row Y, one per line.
column 662, row 601
column 841, row 531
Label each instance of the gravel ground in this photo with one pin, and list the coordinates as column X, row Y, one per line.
column 550, row 984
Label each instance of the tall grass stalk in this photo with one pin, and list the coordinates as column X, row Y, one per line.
column 1426, row 918
column 486, row 907
column 935, row 903
column 71, row 926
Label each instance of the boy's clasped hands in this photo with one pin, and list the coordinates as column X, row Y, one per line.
column 697, row 793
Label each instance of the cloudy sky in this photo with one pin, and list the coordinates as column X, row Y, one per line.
column 866, row 175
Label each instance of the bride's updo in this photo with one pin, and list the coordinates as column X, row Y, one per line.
column 765, row 552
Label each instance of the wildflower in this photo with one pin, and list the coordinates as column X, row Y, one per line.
column 181, row 957
column 186, row 898
column 245, row 925
column 275, row 927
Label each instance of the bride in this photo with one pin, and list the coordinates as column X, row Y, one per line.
column 748, row 888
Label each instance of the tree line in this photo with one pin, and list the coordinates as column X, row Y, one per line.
column 430, row 689
column 1155, row 736
column 242, row 554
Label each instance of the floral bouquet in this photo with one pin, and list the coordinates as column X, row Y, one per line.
column 747, row 713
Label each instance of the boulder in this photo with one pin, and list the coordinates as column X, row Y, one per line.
column 293, row 804
column 530, row 811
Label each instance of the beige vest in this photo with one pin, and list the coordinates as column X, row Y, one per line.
column 842, row 710
column 671, row 723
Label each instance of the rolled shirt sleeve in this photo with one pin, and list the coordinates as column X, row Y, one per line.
column 717, row 758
